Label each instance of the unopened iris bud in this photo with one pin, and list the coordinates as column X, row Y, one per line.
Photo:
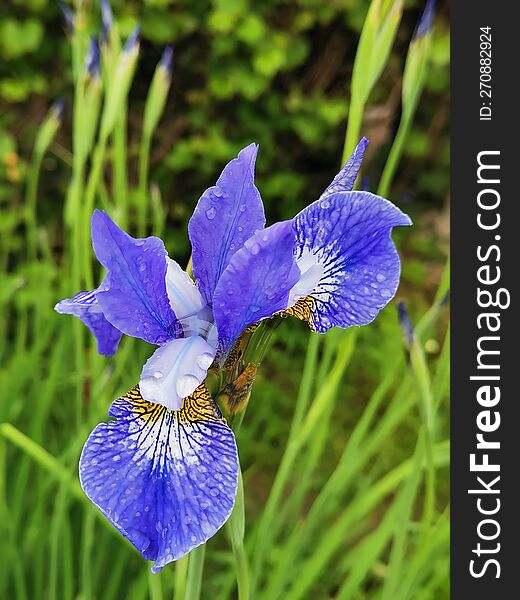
column 158, row 93
column 406, row 325
column 49, row 128
column 107, row 20
column 69, row 18
column 121, row 81
column 58, row 108
column 92, row 60
column 416, row 62
column 167, row 60
column 132, row 43
column 425, row 23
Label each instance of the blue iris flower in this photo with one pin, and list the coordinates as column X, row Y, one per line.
column 165, row 471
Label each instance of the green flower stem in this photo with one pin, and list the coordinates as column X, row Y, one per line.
column 254, row 352
column 422, row 378
column 120, row 169
column 155, row 586
column 180, row 572
column 195, row 570
column 73, row 217
column 144, row 161
column 236, row 528
column 90, row 194
column 260, row 340
column 32, row 187
column 393, row 158
column 355, row 120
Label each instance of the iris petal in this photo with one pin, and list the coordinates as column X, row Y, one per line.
column 175, row 370
column 256, row 283
column 165, row 479
column 85, row 306
column 346, row 236
column 226, row 215
column 133, row 294
column 184, row 296
column 345, row 179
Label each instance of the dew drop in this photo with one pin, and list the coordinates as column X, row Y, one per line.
column 186, row 385
column 210, row 213
column 204, row 360
column 158, row 374
column 380, row 277
column 254, row 249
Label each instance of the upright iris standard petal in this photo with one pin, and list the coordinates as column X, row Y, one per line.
column 175, row 370
column 133, row 294
column 85, row 306
column 256, row 283
column 225, row 217
column 345, row 179
column 345, row 239
column 165, row 479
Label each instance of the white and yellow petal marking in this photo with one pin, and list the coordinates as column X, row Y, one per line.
column 348, row 262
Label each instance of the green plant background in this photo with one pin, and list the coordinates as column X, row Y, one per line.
column 336, row 491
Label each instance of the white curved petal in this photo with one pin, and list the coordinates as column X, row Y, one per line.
column 311, row 269
column 185, row 298
column 175, row 370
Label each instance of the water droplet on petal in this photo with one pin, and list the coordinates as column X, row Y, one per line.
column 204, row 360
column 210, row 213
column 158, row 374
column 254, row 249
column 380, row 277
column 186, row 385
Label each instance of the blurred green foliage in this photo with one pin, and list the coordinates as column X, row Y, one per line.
column 271, row 72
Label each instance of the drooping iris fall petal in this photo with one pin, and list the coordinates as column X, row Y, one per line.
column 133, row 294
column 165, row 479
column 85, row 306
